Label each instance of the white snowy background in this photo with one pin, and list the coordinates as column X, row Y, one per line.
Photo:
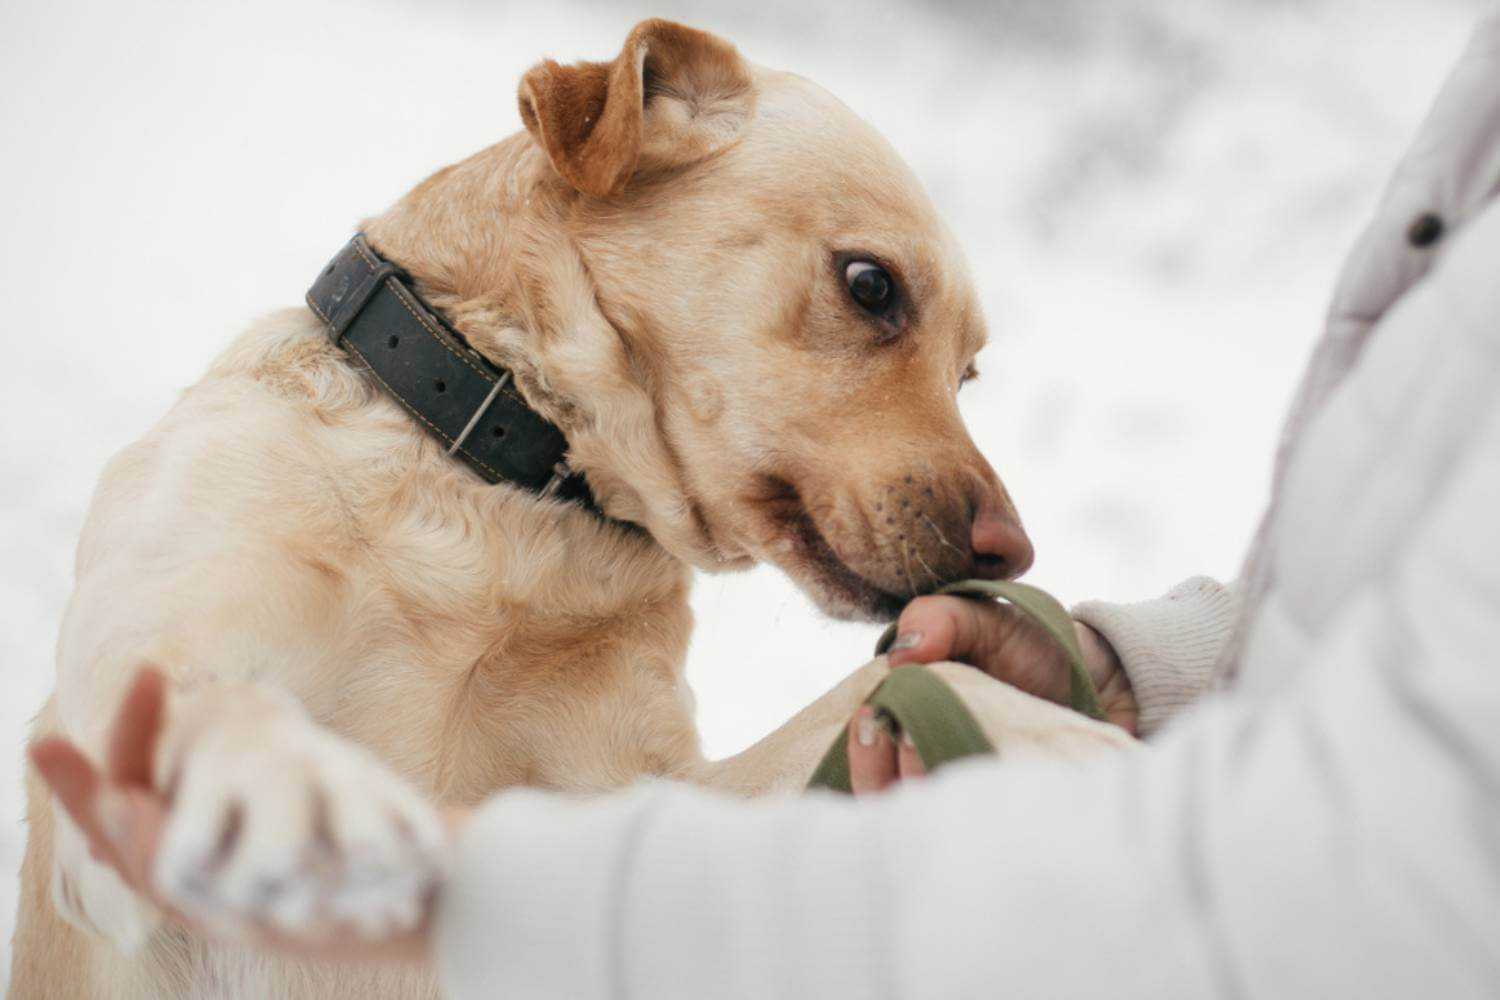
column 1155, row 197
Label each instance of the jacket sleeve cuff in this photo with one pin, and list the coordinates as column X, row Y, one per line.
column 524, row 908
column 1168, row 646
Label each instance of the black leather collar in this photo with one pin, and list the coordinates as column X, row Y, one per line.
column 374, row 314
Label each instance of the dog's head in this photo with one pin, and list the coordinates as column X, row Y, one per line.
column 743, row 309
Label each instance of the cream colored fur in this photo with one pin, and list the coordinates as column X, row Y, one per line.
column 329, row 593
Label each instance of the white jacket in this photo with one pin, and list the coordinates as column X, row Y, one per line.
column 1328, row 826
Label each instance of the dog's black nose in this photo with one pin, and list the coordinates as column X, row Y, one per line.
column 1001, row 549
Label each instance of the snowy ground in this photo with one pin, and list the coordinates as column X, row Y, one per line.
column 1155, row 197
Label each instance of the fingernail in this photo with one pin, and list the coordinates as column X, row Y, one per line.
column 906, row 640
column 906, row 738
column 864, row 726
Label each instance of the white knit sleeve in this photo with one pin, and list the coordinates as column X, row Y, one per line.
column 1335, row 838
column 1168, row 646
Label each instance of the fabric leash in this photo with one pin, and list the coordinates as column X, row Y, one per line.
column 928, row 711
column 1044, row 610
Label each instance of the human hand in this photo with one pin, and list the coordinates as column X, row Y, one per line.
column 1006, row 644
column 1001, row 641
column 125, row 817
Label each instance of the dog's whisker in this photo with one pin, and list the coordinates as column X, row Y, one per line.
column 911, row 584
column 942, row 537
column 935, row 577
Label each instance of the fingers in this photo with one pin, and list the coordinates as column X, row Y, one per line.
column 71, row 777
column 944, row 628
column 872, row 753
column 137, row 729
column 133, row 819
column 77, row 785
column 119, row 815
column 908, row 763
column 876, row 760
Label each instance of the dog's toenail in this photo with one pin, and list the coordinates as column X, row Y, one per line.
column 1425, row 230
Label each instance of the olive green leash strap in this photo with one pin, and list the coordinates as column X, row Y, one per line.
column 927, row 710
column 1043, row 609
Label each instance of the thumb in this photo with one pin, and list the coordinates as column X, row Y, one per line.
column 944, row 628
column 69, row 774
column 75, row 781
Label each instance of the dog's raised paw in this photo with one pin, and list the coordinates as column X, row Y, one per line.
column 291, row 827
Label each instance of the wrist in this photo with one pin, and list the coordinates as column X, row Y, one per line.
column 1098, row 655
column 1108, row 674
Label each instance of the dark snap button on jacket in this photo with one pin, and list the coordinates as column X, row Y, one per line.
column 1425, row 230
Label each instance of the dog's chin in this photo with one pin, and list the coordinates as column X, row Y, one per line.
column 841, row 593
column 805, row 555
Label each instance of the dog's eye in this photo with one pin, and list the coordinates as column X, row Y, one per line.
column 870, row 286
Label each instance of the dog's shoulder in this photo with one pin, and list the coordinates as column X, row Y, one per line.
column 288, row 353
column 264, row 442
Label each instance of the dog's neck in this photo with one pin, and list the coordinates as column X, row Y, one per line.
column 472, row 238
column 487, row 242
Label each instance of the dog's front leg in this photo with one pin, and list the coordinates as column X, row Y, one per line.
column 1020, row 726
column 272, row 817
column 784, row 760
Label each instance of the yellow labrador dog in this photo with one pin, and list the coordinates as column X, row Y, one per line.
column 740, row 312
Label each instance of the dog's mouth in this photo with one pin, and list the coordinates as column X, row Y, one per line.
column 837, row 588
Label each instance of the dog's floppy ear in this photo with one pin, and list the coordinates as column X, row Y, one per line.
column 672, row 96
